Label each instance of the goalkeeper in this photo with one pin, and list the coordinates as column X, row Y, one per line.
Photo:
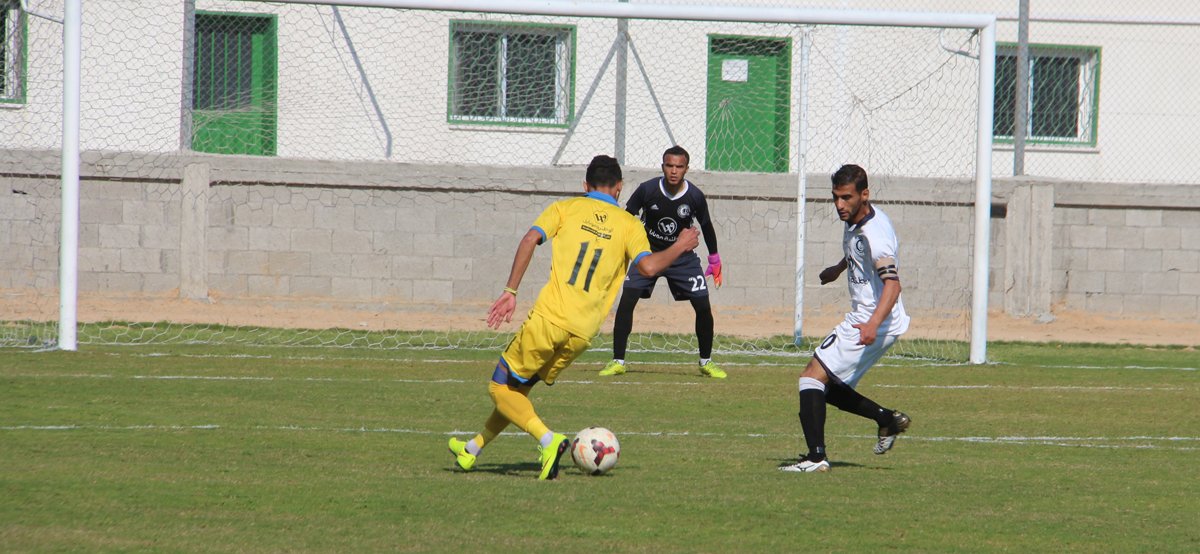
column 667, row 205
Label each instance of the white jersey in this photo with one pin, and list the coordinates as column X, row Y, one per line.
column 865, row 244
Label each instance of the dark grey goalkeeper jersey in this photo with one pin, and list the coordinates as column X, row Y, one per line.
column 664, row 216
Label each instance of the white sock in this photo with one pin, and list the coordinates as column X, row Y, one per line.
column 473, row 447
column 705, row 360
column 806, row 383
column 622, row 362
column 545, row 440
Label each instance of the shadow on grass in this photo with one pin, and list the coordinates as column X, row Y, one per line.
column 832, row 464
column 527, row 469
column 523, row 468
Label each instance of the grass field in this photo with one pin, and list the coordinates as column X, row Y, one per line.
column 184, row 448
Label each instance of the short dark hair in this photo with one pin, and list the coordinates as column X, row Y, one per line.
column 851, row 173
column 604, row 171
column 678, row 150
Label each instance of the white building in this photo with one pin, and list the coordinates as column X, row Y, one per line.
column 1113, row 97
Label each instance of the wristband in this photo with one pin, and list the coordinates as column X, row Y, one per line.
column 510, row 290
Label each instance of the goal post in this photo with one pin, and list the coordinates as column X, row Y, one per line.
column 983, row 193
column 984, row 24
column 69, row 239
column 815, row 52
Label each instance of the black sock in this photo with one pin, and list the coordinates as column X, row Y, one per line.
column 812, row 421
column 623, row 323
column 847, row 399
column 704, row 326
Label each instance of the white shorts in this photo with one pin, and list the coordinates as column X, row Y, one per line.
column 842, row 356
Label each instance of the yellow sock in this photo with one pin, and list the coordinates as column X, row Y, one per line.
column 515, row 406
column 496, row 424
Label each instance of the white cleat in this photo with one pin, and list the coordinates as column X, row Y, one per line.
column 807, row 466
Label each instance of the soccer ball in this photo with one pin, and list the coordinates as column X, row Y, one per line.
column 595, row 450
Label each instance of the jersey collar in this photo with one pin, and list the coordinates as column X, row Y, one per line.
column 662, row 186
column 602, row 197
column 856, row 226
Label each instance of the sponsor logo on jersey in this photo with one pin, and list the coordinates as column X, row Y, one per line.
column 857, row 275
column 599, row 228
column 600, row 232
column 666, row 229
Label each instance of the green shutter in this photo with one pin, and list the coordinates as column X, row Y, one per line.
column 510, row 74
column 1055, row 97
column 748, row 117
column 4, row 38
column 1006, row 96
column 234, row 85
column 12, row 52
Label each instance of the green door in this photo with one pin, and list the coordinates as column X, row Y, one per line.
column 234, row 84
column 749, row 87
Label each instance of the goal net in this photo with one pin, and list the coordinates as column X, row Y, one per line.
column 286, row 173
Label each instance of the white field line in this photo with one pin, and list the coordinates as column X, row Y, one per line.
column 798, row 364
column 1031, row 388
column 481, row 379
column 1133, row 442
column 572, row 381
column 227, row 378
column 1116, row 367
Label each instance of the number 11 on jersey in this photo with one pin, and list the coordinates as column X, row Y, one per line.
column 587, row 281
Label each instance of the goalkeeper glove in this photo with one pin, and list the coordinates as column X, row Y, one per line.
column 714, row 268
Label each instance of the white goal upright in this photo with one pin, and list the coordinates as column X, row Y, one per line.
column 382, row 154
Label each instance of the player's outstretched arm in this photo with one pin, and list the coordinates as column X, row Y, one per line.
column 710, row 240
column 659, row 261
column 831, row 273
column 504, row 306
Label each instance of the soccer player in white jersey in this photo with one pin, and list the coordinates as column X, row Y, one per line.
column 875, row 321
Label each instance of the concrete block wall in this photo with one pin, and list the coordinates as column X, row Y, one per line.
column 352, row 244
column 255, row 228
column 129, row 237
column 1131, row 251
column 1027, row 261
column 29, row 208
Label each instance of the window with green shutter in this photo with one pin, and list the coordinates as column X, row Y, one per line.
column 1062, row 94
column 511, row 74
column 12, row 52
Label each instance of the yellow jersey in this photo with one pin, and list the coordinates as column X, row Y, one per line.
column 594, row 241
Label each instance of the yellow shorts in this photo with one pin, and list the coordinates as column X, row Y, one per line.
column 541, row 349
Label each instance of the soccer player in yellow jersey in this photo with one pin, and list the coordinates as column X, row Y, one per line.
column 594, row 241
